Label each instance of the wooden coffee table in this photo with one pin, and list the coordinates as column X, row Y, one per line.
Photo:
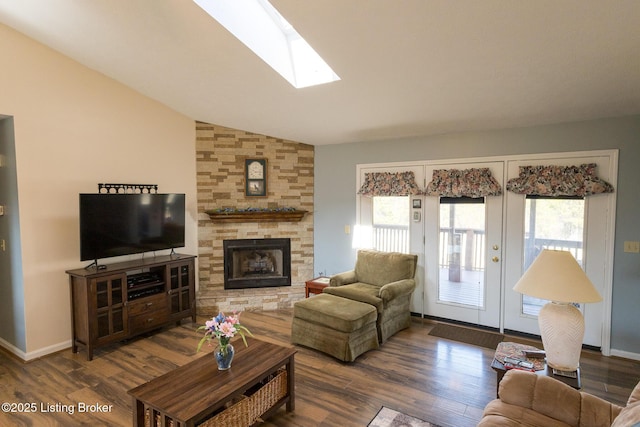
column 194, row 392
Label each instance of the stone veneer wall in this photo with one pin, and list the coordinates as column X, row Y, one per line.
column 220, row 155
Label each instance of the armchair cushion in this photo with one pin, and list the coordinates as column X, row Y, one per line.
column 362, row 292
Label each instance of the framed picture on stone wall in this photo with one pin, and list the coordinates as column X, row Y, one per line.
column 255, row 177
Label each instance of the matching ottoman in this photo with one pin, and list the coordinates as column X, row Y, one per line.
column 337, row 326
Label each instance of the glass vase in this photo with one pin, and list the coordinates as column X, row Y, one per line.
column 224, row 356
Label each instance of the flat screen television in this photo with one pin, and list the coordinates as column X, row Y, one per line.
column 123, row 224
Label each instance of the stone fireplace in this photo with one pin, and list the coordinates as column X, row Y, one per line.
column 257, row 263
column 221, row 153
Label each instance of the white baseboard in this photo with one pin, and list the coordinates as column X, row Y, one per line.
column 13, row 349
column 625, row 354
column 34, row 354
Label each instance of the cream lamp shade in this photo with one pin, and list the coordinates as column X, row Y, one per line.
column 557, row 276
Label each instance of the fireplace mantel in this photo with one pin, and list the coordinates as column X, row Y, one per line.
column 256, row 216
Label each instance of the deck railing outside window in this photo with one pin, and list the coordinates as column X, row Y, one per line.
column 471, row 247
column 391, row 238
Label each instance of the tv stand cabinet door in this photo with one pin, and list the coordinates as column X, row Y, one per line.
column 108, row 308
column 181, row 290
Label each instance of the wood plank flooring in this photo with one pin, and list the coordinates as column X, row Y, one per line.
column 442, row 381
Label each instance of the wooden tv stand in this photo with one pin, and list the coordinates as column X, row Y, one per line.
column 121, row 300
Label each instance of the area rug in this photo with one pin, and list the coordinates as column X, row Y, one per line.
column 467, row 335
column 389, row 418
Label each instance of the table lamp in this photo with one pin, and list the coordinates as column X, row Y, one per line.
column 556, row 276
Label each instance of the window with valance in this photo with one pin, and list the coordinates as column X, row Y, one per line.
column 389, row 184
column 559, row 181
column 471, row 183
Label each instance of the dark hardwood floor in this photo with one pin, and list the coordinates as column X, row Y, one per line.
column 438, row 380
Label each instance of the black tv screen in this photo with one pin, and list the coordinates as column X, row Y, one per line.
column 123, row 224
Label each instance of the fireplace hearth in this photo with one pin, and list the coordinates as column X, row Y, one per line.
column 257, row 263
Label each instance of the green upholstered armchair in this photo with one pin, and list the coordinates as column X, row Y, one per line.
column 385, row 280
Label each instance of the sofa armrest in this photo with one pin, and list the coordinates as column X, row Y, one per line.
column 555, row 399
column 343, row 278
column 394, row 290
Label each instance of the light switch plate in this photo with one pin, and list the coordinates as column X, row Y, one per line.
column 632, row 247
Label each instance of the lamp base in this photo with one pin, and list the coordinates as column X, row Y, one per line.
column 562, row 331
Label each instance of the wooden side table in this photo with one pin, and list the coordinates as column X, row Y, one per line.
column 500, row 369
column 315, row 286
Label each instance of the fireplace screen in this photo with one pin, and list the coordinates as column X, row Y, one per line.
column 256, row 263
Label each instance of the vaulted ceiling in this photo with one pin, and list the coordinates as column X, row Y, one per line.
column 407, row 67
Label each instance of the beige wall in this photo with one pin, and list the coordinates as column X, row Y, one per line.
column 75, row 128
column 290, row 173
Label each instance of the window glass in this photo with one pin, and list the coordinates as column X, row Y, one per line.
column 391, row 223
column 551, row 223
column 462, row 251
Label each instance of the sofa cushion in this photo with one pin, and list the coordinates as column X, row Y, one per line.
column 379, row 268
column 629, row 416
column 335, row 313
column 635, row 395
column 595, row 412
column 541, row 394
column 362, row 292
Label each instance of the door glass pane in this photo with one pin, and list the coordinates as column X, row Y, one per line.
column 118, row 320
column 116, row 291
column 184, row 275
column 103, row 324
column 102, row 293
column 185, row 300
column 174, row 280
column 462, row 252
column 551, row 224
column 391, row 223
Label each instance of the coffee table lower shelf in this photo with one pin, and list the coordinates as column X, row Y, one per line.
column 259, row 382
column 249, row 409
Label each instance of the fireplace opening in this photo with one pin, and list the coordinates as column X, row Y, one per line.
column 257, row 263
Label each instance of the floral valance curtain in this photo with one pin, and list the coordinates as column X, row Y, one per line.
column 474, row 183
column 389, row 184
column 555, row 181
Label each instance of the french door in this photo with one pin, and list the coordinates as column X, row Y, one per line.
column 472, row 252
column 583, row 227
column 463, row 253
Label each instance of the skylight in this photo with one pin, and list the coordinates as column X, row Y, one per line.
column 258, row 25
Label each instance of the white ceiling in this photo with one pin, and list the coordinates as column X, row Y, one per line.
column 408, row 67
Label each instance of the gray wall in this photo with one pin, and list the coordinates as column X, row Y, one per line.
column 335, row 192
column 12, row 315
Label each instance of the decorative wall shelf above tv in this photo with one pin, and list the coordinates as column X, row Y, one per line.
column 288, row 215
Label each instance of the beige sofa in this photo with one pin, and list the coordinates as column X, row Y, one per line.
column 527, row 399
column 384, row 280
